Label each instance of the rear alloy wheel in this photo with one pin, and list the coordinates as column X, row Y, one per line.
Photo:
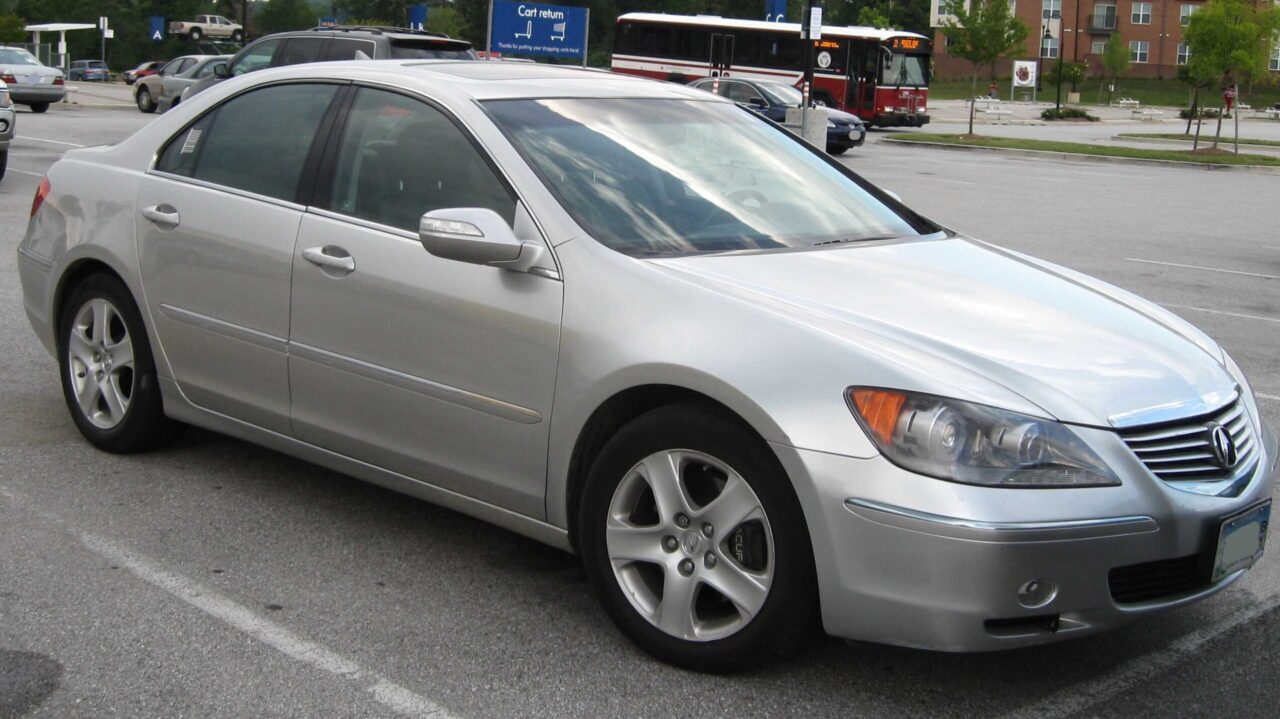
column 195, row 34
column 108, row 376
column 695, row 542
column 38, row 107
column 145, row 103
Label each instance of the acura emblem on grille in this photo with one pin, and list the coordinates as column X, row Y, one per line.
column 1224, row 447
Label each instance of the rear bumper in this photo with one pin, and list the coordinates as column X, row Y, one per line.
column 912, row 561
column 26, row 94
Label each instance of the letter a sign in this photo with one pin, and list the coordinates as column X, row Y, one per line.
column 157, row 29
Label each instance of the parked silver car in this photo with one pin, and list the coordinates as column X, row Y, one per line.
column 8, row 126
column 166, row 88
column 30, row 83
column 637, row 321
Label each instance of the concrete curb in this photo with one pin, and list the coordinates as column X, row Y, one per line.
column 1100, row 159
column 1171, row 141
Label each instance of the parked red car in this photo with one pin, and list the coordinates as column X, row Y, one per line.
column 149, row 67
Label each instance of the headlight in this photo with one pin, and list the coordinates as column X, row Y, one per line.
column 5, row 100
column 973, row 443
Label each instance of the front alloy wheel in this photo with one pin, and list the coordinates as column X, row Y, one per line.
column 690, row 545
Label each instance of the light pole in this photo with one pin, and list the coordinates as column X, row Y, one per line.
column 1058, row 104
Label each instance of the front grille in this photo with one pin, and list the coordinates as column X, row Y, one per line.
column 1181, row 451
column 1155, row 580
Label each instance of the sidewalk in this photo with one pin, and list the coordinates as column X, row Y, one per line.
column 97, row 95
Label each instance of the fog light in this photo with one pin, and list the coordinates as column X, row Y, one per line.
column 1037, row 593
column 4, row 126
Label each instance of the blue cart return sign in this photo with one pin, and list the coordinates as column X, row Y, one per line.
column 156, row 33
column 543, row 30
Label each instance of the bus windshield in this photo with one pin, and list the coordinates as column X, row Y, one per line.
column 903, row 69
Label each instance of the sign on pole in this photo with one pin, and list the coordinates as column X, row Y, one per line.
column 775, row 10
column 417, row 17
column 815, row 22
column 157, row 29
column 539, row 30
column 1024, row 73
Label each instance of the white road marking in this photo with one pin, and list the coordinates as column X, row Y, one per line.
column 1078, row 698
column 1206, row 269
column 1221, row 312
column 26, row 172
column 1270, row 247
column 1264, row 395
column 53, row 142
column 384, row 691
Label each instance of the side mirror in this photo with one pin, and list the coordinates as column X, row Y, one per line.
column 476, row 235
column 221, row 71
column 757, row 102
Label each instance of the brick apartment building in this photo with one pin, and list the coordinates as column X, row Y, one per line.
column 1078, row 30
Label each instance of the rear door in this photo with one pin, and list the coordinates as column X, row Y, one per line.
column 218, row 217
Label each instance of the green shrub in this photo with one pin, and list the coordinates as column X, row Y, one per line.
column 1210, row 113
column 1067, row 113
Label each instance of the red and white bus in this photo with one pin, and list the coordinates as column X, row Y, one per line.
column 880, row 75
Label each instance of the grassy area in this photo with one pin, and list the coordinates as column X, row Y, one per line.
column 1078, row 148
column 1179, row 136
column 1148, row 91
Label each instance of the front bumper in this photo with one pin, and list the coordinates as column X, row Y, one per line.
column 909, row 560
column 26, row 94
column 846, row 136
column 900, row 119
column 8, row 126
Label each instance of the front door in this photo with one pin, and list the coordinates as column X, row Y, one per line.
column 438, row 370
column 216, row 228
column 721, row 54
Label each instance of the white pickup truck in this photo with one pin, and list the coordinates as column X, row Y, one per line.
column 210, row 26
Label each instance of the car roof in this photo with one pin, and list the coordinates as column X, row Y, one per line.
column 490, row 80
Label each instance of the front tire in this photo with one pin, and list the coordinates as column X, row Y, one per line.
column 695, row 543
column 837, row 149
column 38, row 107
column 108, row 375
column 237, row 36
column 145, row 103
column 4, row 162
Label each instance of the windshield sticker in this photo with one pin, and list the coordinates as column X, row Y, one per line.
column 189, row 144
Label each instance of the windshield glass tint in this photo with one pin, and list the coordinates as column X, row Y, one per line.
column 906, row 70
column 654, row 177
column 780, row 94
column 13, row 56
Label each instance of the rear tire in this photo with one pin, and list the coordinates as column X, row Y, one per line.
column 759, row 552
column 38, row 107
column 195, row 34
column 108, row 375
column 145, row 103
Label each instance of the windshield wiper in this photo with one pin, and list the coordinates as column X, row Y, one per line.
column 845, row 240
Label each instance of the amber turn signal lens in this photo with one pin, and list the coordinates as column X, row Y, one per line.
column 879, row 409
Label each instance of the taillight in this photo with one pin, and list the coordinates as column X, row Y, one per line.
column 58, row 81
column 42, row 191
column 9, row 79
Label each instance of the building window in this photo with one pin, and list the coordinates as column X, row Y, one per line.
column 1141, row 13
column 1184, row 15
column 1138, row 50
column 1098, row 47
column 1275, row 58
column 944, row 8
column 1050, row 9
column 1048, row 47
column 1184, row 53
column 1104, row 16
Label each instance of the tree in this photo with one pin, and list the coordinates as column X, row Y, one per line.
column 1071, row 72
column 1231, row 39
column 871, row 16
column 1115, row 62
column 982, row 33
column 281, row 15
column 446, row 20
column 11, row 29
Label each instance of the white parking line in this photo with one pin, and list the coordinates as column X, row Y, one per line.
column 1078, row 698
column 388, row 693
column 1221, row 312
column 53, row 142
column 1206, row 269
column 1264, row 395
column 26, row 172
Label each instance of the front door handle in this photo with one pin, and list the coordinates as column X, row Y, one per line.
column 162, row 215
column 330, row 258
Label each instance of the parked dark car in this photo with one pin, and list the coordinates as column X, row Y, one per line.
column 90, row 70
column 340, row 42
column 150, row 67
column 773, row 99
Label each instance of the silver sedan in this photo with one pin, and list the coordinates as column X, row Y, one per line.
column 30, row 82
column 8, row 126
column 168, row 87
column 756, row 394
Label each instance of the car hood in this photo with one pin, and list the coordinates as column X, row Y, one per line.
column 1082, row 351
column 842, row 118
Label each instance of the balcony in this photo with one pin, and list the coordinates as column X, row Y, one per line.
column 1102, row 24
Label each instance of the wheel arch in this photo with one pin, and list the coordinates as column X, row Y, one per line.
column 73, row 275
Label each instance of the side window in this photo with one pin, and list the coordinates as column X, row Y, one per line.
column 186, row 65
column 255, row 57
column 298, row 50
column 400, row 158
column 341, row 48
column 172, row 67
column 243, row 145
column 207, row 69
column 741, row 92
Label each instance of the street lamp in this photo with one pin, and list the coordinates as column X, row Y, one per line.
column 1058, row 103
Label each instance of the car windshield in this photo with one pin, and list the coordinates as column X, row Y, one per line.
column 661, row 177
column 15, row 56
column 780, row 94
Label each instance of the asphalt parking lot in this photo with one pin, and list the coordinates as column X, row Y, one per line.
column 215, row 578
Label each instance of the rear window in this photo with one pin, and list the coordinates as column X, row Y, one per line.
column 431, row 50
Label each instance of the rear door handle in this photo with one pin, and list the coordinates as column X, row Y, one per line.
column 163, row 215
column 330, row 257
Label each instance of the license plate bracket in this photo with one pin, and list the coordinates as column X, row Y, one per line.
column 1241, row 540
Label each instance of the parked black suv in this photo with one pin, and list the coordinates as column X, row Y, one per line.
column 342, row 42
